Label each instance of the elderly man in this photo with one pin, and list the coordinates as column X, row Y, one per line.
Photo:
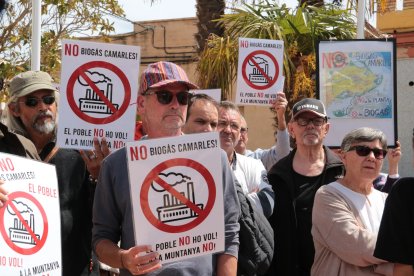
column 295, row 180
column 162, row 104
column 269, row 157
column 249, row 172
column 256, row 234
column 32, row 112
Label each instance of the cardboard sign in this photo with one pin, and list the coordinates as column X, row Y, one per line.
column 259, row 73
column 177, row 195
column 214, row 93
column 99, row 86
column 30, row 239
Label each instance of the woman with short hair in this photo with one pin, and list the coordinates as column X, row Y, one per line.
column 347, row 213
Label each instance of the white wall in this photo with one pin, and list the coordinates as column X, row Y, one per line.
column 405, row 110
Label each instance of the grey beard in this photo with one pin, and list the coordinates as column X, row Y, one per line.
column 45, row 128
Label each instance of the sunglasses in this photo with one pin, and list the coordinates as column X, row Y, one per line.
column 165, row 97
column 364, row 151
column 315, row 121
column 34, row 101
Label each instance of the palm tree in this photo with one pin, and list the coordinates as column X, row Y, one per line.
column 299, row 29
column 207, row 12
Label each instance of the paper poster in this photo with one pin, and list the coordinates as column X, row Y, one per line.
column 177, row 195
column 260, row 71
column 98, row 94
column 30, row 239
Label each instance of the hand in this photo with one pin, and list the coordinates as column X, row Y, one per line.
column 280, row 107
column 394, row 156
column 93, row 158
column 3, row 194
column 140, row 260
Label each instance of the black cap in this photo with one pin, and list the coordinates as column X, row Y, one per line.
column 309, row 105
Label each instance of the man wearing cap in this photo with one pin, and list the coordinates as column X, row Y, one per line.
column 162, row 104
column 32, row 112
column 295, row 180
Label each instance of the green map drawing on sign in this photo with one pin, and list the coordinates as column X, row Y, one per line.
column 361, row 88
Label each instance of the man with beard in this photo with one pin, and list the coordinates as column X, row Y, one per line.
column 295, row 180
column 32, row 112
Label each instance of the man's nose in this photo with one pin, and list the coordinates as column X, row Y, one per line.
column 42, row 106
column 174, row 102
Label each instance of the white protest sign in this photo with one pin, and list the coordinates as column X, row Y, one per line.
column 98, row 93
column 30, row 239
column 260, row 70
column 214, row 93
column 177, row 195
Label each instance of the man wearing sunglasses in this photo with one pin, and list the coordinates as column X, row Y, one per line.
column 295, row 180
column 162, row 105
column 32, row 112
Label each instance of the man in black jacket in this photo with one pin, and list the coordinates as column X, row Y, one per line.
column 295, row 180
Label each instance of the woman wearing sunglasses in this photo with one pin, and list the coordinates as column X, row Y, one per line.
column 347, row 213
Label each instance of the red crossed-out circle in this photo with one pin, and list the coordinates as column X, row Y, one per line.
column 270, row 82
column 154, row 176
column 81, row 72
column 39, row 243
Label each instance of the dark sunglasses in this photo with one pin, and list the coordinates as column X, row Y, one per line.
column 364, row 151
column 33, row 101
column 318, row 121
column 166, row 97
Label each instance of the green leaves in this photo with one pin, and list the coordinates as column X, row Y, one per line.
column 60, row 19
column 299, row 28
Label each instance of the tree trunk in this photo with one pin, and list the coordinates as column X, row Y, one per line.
column 208, row 10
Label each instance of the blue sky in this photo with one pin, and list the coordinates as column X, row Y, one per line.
column 141, row 10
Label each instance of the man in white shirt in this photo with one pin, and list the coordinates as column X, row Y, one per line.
column 269, row 157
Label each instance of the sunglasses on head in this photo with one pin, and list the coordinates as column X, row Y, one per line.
column 166, row 97
column 34, row 101
column 364, row 151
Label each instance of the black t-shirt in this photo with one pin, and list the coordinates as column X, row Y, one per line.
column 305, row 190
column 395, row 241
column 303, row 181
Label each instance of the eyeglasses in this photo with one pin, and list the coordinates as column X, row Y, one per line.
column 364, row 151
column 244, row 130
column 165, row 97
column 315, row 121
column 34, row 101
column 224, row 124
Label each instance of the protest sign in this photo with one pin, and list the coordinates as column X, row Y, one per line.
column 30, row 238
column 177, row 195
column 259, row 73
column 98, row 92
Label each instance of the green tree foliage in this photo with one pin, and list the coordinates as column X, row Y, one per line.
column 299, row 28
column 60, row 19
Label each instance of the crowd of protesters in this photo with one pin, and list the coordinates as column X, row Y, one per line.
column 328, row 213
